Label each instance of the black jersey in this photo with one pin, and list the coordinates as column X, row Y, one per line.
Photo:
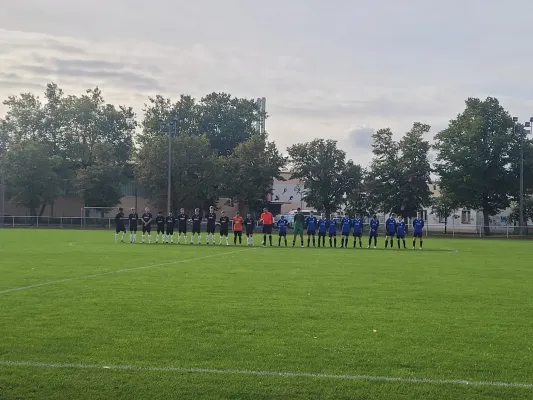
column 182, row 220
column 160, row 220
column 119, row 219
column 147, row 218
column 224, row 223
column 211, row 219
column 171, row 221
column 196, row 221
column 249, row 223
column 133, row 218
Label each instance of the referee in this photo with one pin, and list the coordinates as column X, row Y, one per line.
column 268, row 220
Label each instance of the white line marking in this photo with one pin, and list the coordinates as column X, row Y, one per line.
column 16, row 289
column 268, row 373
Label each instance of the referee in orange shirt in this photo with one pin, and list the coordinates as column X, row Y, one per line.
column 268, row 220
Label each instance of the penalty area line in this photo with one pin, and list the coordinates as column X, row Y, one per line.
column 268, row 373
column 118, row 271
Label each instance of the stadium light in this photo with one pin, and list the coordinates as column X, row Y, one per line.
column 169, row 128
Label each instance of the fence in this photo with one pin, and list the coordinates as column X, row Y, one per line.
column 502, row 231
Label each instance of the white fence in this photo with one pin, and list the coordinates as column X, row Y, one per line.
column 109, row 223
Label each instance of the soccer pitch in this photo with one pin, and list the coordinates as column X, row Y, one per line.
column 85, row 318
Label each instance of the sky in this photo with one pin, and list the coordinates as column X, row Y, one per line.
column 336, row 70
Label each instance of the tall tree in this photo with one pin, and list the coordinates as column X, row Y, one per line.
column 444, row 207
column 31, row 175
column 326, row 174
column 196, row 172
column 475, row 159
column 358, row 200
column 250, row 171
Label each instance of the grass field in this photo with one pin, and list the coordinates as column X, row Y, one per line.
column 84, row 318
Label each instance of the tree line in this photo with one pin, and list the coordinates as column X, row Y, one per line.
column 216, row 151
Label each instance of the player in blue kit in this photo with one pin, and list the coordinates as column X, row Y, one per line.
column 357, row 230
column 322, row 230
column 390, row 230
column 346, row 225
column 311, row 224
column 282, row 229
column 332, row 231
column 418, row 225
column 373, row 234
column 400, row 232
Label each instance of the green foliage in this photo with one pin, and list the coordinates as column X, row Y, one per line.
column 528, row 210
column 249, row 172
column 225, row 120
column 400, row 172
column 195, row 170
column 475, row 157
column 444, row 207
column 325, row 172
column 358, row 201
column 31, row 176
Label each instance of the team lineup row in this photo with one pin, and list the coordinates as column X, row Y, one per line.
column 313, row 226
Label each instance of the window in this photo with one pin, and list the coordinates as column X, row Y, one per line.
column 425, row 215
column 442, row 219
column 465, row 216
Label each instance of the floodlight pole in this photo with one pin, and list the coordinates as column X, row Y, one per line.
column 170, row 129
column 3, row 181
column 521, row 194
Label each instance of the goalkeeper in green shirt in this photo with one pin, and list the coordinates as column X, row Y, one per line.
column 299, row 220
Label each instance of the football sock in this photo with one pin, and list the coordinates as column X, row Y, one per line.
column 414, row 243
column 375, row 241
column 116, row 237
column 335, row 242
column 313, row 241
column 420, row 243
column 308, row 241
column 270, row 239
column 279, row 241
column 330, row 242
column 404, row 243
column 386, row 242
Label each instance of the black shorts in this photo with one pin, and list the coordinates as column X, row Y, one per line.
column 133, row 228
column 237, row 233
column 311, row 233
column 224, row 231
column 321, row 234
column 120, row 228
column 160, row 229
column 195, row 230
column 283, row 234
column 182, row 229
column 346, row 234
column 211, row 229
column 357, row 234
column 333, row 234
column 417, row 235
column 267, row 229
column 249, row 232
column 170, row 230
column 147, row 228
column 402, row 236
column 373, row 234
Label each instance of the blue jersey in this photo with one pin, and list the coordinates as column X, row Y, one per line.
column 418, row 224
column 357, row 225
column 282, row 225
column 322, row 225
column 390, row 225
column 400, row 228
column 332, row 225
column 374, row 225
column 311, row 223
column 346, row 224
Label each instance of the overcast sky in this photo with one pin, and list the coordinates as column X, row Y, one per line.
column 334, row 69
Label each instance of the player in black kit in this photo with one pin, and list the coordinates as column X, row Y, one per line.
column 211, row 225
column 171, row 221
column 160, row 224
column 249, row 225
column 146, row 219
column 224, row 227
column 133, row 218
column 119, row 225
column 196, row 223
column 182, row 225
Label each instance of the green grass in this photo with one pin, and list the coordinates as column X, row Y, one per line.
column 460, row 309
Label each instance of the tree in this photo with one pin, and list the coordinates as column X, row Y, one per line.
column 528, row 211
column 99, row 184
column 250, row 171
column 325, row 172
column 475, row 159
column 399, row 175
column 31, row 177
column 358, row 200
column 196, row 172
column 444, row 207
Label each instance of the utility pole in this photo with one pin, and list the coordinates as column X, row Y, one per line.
column 3, row 180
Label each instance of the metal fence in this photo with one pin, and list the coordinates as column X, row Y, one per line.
column 438, row 230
